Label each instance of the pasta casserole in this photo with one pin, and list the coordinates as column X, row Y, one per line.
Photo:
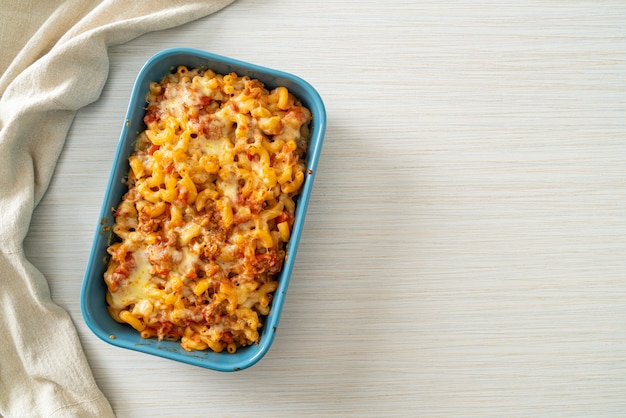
column 201, row 233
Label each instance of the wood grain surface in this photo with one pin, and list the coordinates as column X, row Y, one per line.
column 463, row 253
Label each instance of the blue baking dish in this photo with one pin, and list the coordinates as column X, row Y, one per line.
column 93, row 291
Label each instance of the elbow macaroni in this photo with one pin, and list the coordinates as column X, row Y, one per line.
column 203, row 227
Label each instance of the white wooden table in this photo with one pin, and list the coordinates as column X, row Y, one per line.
column 463, row 253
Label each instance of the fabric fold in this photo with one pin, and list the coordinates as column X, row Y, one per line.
column 62, row 67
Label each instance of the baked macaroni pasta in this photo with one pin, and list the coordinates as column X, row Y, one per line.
column 209, row 210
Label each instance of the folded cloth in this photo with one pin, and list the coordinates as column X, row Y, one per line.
column 54, row 61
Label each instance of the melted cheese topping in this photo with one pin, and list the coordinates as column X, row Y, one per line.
column 203, row 227
column 134, row 289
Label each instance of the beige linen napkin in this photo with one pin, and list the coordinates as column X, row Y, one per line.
column 53, row 58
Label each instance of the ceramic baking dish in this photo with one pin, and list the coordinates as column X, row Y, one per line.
column 93, row 303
